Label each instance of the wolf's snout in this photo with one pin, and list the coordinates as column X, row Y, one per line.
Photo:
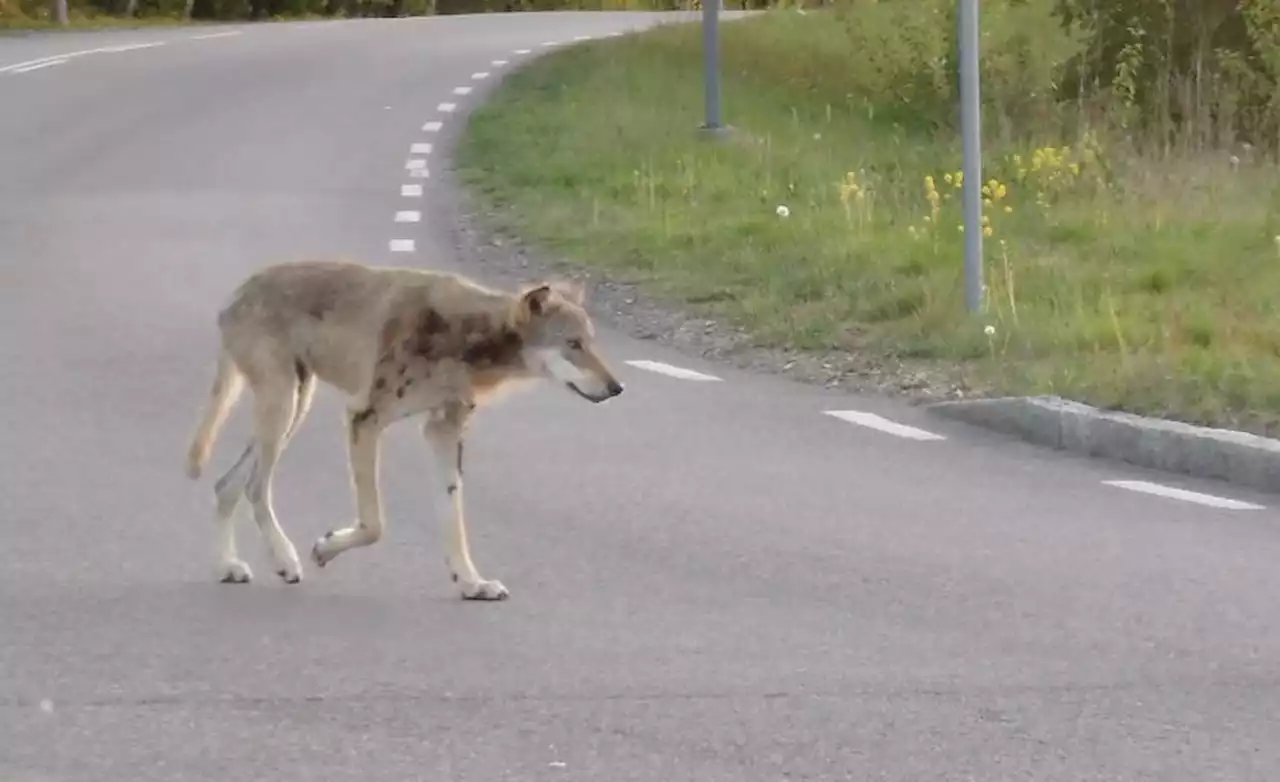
column 614, row 387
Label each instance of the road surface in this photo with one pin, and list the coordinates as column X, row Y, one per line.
column 711, row 579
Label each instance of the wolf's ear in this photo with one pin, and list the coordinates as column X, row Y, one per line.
column 571, row 290
column 535, row 299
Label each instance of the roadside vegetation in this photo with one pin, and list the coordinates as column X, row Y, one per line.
column 1131, row 189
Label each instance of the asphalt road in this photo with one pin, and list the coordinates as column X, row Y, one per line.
column 710, row 580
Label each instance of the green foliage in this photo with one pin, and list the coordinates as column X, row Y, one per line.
column 1195, row 72
column 1112, row 276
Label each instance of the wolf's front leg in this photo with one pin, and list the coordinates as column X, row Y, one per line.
column 364, row 430
column 443, row 432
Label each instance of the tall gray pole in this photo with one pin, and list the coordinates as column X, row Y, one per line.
column 710, row 65
column 971, row 134
column 60, row 12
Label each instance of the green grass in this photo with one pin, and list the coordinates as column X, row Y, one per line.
column 1113, row 278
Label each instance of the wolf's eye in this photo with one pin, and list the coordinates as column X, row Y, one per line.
column 575, row 344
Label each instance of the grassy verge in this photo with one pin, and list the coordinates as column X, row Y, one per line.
column 1113, row 277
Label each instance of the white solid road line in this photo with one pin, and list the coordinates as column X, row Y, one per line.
column 59, row 59
column 408, row 216
column 208, row 36
column 38, row 66
column 1146, row 487
column 433, row 126
column 478, row 75
column 880, row 423
column 447, row 108
column 129, row 47
column 420, row 148
column 670, row 370
column 461, row 90
column 401, row 245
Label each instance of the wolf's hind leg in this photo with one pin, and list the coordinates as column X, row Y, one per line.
column 231, row 487
column 228, row 491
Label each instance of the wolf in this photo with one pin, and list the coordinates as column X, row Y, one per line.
column 397, row 342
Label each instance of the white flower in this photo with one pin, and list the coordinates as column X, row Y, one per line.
column 782, row 210
column 989, row 331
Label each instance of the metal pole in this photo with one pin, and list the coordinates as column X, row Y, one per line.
column 710, row 56
column 60, row 12
column 971, row 134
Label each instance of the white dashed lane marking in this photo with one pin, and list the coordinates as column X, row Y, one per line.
column 523, row 51
column 670, row 370
column 1146, row 487
column 411, row 191
column 478, row 75
column 415, row 163
column 420, row 148
column 880, row 423
column 461, row 90
column 408, row 216
column 401, row 245
column 433, row 126
column 498, row 63
column 447, row 108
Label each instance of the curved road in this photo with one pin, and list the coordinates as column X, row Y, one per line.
column 711, row 580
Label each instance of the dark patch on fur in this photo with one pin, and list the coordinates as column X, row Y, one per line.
column 455, row 577
column 453, row 488
column 477, row 340
column 400, row 392
column 302, row 371
column 362, row 417
column 459, row 457
column 380, row 384
column 494, row 349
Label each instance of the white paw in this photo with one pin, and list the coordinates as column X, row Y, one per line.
column 233, row 571
column 321, row 552
column 288, row 566
column 483, row 590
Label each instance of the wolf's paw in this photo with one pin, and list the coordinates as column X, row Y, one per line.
column 483, row 590
column 234, row 572
column 288, row 566
column 322, row 551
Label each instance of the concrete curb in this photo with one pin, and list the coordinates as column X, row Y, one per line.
column 1237, row 457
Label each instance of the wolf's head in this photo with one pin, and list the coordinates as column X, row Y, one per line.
column 560, row 340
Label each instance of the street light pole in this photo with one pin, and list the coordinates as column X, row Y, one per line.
column 971, row 136
column 710, row 64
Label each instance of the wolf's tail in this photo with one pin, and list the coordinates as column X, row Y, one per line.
column 227, row 386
